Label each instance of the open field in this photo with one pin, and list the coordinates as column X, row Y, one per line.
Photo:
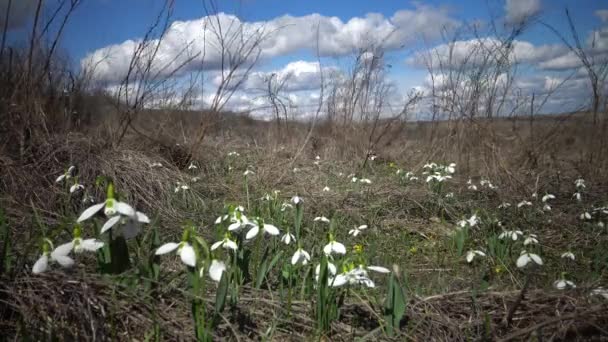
column 414, row 230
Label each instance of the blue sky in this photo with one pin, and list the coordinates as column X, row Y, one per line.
column 111, row 28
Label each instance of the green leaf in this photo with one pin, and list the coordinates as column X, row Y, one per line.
column 222, row 292
column 395, row 306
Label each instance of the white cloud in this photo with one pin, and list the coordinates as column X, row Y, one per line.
column 476, row 52
column 284, row 35
column 517, row 11
column 602, row 14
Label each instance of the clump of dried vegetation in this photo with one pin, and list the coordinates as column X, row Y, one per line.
column 53, row 118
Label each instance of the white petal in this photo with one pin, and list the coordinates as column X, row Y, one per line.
column 229, row 244
column 90, row 211
column 142, row 218
column 216, row 269
column 523, row 260
column 378, row 269
column 63, row 260
column 124, row 209
column 166, row 248
column 60, row 178
column 62, row 250
column 217, row 245
column 109, row 224
column 338, row 248
column 536, row 259
column 234, row 226
column 339, row 280
column 327, row 249
column 270, row 229
column 470, row 256
column 41, row 264
column 186, row 253
column 296, row 257
column 91, row 245
column 253, row 232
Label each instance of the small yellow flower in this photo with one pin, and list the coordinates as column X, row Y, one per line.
column 392, row 165
column 358, row 249
column 413, row 250
column 498, row 269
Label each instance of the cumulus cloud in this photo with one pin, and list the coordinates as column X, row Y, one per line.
column 517, row 11
column 282, row 36
column 475, row 52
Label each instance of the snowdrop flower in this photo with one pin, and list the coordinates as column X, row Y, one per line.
column 334, row 247
column 546, row 207
column 248, row 172
column 356, row 276
column 316, row 162
column 182, row 187
column 354, row 179
column 373, row 157
column 221, row 219
column 66, row 175
column 216, row 269
column 449, row 195
column 317, row 158
column 76, row 187
column 326, row 189
column 131, row 223
column 300, row 257
column 238, row 221
column 192, row 166
column 585, row 216
column 296, row 200
column 287, row 238
column 600, row 291
column 227, row 243
column 184, row 250
column 531, row 239
column 322, row 219
column 524, row 203
column 511, row 234
column 562, row 284
column 365, row 181
column 266, row 228
column 473, row 220
column 578, row 196
column 547, row 197
column 472, row 187
column 233, row 154
column 525, row 258
column 110, row 205
column 579, row 183
column 472, row 253
column 286, row 206
column 357, row 230
column 59, row 255
column 451, row 168
column 195, row 179
column 378, row 269
column 568, row 255
column 504, row 205
column 155, row 165
column 296, row 170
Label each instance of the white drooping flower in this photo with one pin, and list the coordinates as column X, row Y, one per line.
column 287, row 238
column 524, row 203
column 192, row 166
column 357, row 276
column 334, row 247
column 585, row 216
column 331, row 268
column 248, row 172
column 365, row 181
column 66, row 175
column 184, row 250
column 233, row 154
column 58, row 255
column 266, row 228
column 76, row 187
column 525, row 258
column 578, row 196
column 472, row 253
column 511, row 234
column 357, row 230
column 321, row 219
column 155, row 165
column 216, row 269
column 451, row 168
column 226, row 242
column 562, row 284
column 504, row 205
column 547, row 197
column 326, row 189
column 600, row 291
column 568, row 255
column 300, row 257
column 579, row 183
column 111, row 207
column 131, row 223
column 181, row 187
column 531, row 239
column 470, row 222
column 297, row 200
